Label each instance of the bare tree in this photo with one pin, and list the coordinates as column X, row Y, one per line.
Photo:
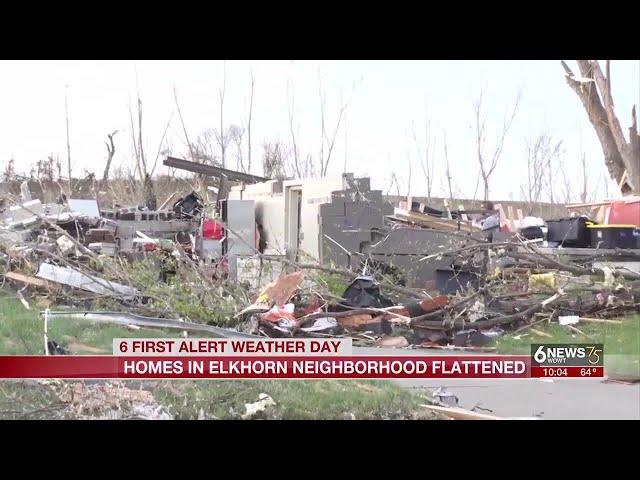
column 583, row 195
column 66, row 112
column 329, row 141
column 409, row 174
column 274, row 161
column 542, row 153
column 9, row 172
column 566, row 184
column 159, row 152
column 134, row 143
column 222, row 138
column 184, row 128
column 143, row 160
column 448, row 171
column 111, row 150
column 200, row 151
column 394, row 180
column 309, row 167
column 145, row 175
column 344, row 169
column 322, row 132
column 426, row 161
column 235, row 134
column 488, row 161
column 204, row 148
column 593, row 89
column 253, row 80
column 332, row 140
column 290, row 107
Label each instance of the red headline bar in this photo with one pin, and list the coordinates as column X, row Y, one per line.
column 275, row 367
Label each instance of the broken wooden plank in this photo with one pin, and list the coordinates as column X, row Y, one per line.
column 463, row 216
column 434, row 222
column 459, row 349
column 457, row 413
column 357, row 320
column 540, row 333
column 601, row 320
column 166, row 202
column 418, row 308
column 29, row 280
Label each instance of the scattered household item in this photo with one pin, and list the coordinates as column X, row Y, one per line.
column 252, row 409
column 568, row 319
column 613, row 236
column 189, row 206
column 569, row 232
column 364, row 292
column 532, row 233
column 471, row 338
column 446, row 397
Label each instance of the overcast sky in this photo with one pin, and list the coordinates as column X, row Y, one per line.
column 386, row 98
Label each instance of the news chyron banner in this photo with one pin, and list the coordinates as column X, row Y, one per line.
column 200, row 358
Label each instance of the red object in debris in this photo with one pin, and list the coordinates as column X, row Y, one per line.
column 276, row 314
column 212, row 229
column 624, row 213
column 149, row 247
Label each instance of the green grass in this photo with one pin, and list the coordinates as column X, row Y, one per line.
column 621, row 342
column 295, row 399
column 27, row 399
column 21, row 333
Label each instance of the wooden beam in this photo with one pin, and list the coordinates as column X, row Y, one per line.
column 29, row 280
column 601, row 320
column 456, row 413
column 212, row 171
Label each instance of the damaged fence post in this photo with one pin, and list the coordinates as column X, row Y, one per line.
column 46, row 339
column 184, row 332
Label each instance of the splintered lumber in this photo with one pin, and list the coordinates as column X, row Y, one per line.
column 601, row 320
column 281, row 289
column 277, row 293
column 419, row 308
column 454, row 348
column 29, row 280
column 166, row 202
column 434, row 222
column 357, row 320
column 457, row 413
column 540, row 333
column 545, row 317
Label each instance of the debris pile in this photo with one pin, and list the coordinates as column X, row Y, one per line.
column 110, row 401
column 408, row 277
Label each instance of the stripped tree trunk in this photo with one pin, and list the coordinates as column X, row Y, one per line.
column 594, row 91
column 111, row 149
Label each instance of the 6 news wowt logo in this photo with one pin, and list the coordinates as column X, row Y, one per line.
column 567, row 355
